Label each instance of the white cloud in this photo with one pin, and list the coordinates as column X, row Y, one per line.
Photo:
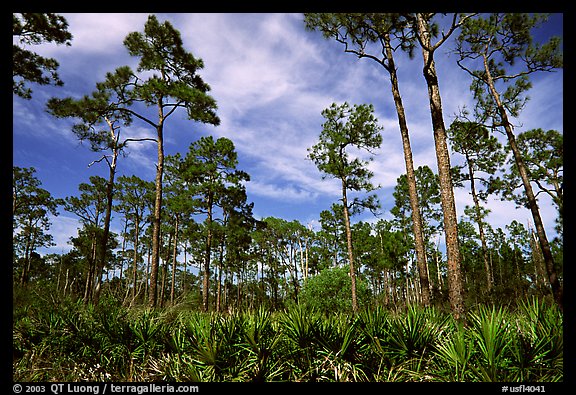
column 545, row 103
column 250, row 59
column 99, row 34
column 63, row 227
column 286, row 193
column 271, row 80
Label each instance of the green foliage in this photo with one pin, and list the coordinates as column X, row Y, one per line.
column 428, row 187
column 347, row 128
column 160, row 50
column 31, row 208
column 28, row 66
column 543, row 157
column 482, row 152
column 330, row 290
column 537, row 348
column 67, row 340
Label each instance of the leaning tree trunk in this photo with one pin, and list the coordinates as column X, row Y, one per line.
column 410, row 177
column 455, row 285
column 532, row 203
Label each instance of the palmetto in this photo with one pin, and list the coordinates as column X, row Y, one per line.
column 76, row 342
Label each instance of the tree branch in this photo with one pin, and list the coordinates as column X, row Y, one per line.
column 142, row 139
column 100, row 160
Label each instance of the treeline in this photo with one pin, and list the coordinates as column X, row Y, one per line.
column 194, row 214
column 254, row 263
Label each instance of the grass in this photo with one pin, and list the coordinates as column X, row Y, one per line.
column 77, row 343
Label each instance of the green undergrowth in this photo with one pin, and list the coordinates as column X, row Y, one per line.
column 76, row 342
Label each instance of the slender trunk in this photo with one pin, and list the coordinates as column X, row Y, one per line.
column 225, row 291
column 349, row 243
column 66, row 284
column 500, row 269
column 219, row 283
column 384, row 274
column 489, row 280
column 407, row 279
column 174, row 253
column 24, row 276
column 274, row 284
column 165, row 271
column 184, row 282
column 123, row 251
column 540, row 270
column 293, row 270
column 91, row 272
column 557, row 288
column 456, row 289
column 152, row 294
column 59, row 273
column 386, row 287
column 124, row 234
column 147, row 285
column 438, row 274
column 238, row 289
column 29, row 258
column 135, row 264
column 107, row 217
column 303, row 262
column 410, row 177
column 206, row 279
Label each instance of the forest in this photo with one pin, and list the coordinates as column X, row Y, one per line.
column 196, row 288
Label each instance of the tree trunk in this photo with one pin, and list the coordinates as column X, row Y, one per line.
column 165, row 271
column 349, row 244
column 123, row 251
column 124, row 234
column 296, row 282
column 219, row 283
column 107, row 217
column 59, row 273
column 90, row 274
column 456, row 289
column 184, row 271
column 532, row 203
column 147, row 277
column 410, row 177
column 539, row 267
column 66, row 284
column 24, row 276
column 174, row 253
column 225, row 291
column 206, row 279
column 489, row 280
column 152, row 293
column 135, row 265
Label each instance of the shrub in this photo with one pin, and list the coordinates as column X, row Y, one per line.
column 331, row 291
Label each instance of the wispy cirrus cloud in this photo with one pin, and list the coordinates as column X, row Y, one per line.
column 271, row 79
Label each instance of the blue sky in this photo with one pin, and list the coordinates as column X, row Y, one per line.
column 271, row 79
